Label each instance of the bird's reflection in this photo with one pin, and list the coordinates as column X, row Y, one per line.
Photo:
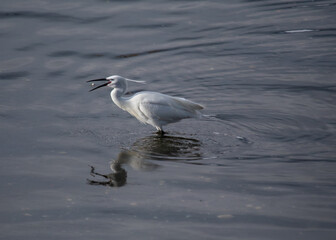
column 115, row 179
column 141, row 154
column 168, row 148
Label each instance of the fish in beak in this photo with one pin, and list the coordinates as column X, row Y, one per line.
column 98, row 80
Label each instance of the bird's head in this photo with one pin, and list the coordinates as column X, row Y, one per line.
column 114, row 81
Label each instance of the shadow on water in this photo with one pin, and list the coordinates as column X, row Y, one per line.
column 141, row 154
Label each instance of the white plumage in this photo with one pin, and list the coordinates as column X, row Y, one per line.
column 152, row 108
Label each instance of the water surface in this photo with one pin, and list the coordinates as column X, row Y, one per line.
column 262, row 166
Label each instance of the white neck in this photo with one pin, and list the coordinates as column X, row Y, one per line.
column 116, row 95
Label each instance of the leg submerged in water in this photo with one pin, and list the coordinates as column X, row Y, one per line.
column 160, row 131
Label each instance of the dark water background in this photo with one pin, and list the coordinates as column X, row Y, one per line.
column 263, row 168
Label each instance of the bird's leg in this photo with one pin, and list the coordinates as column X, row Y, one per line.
column 160, row 132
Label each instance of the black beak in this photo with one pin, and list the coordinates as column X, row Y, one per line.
column 97, row 80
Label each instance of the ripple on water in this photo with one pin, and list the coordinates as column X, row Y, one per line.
column 168, row 147
column 15, row 64
column 280, row 127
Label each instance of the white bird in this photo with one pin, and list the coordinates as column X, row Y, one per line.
column 151, row 108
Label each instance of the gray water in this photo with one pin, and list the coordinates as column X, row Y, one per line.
column 261, row 167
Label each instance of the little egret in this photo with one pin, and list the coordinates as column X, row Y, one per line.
column 152, row 108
